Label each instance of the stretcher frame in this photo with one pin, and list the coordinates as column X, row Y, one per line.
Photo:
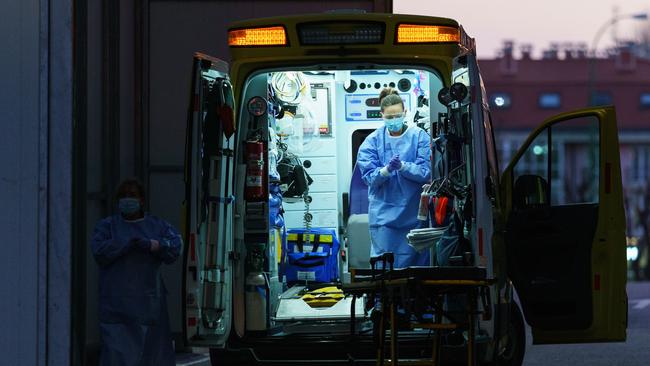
column 394, row 286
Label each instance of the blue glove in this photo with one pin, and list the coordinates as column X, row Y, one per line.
column 142, row 244
column 394, row 164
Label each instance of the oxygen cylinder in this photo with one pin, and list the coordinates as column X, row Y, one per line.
column 255, row 302
column 256, row 290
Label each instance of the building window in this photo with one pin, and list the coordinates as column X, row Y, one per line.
column 641, row 163
column 601, row 98
column 500, row 100
column 644, row 100
column 549, row 101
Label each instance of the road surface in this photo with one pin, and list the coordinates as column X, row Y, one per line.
column 634, row 352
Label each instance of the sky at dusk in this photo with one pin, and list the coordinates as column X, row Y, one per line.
column 539, row 23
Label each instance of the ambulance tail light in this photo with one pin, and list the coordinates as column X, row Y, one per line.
column 421, row 33
column 257, row 37
column 337, row 33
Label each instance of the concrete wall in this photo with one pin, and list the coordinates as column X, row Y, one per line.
column 35, row 181
column 20, row 308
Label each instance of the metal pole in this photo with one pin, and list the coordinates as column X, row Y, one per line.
column 592, row 59
column 594, row 45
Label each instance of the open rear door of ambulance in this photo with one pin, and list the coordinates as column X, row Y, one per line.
column 208, row 205
column 565, row 232
column 466, row 71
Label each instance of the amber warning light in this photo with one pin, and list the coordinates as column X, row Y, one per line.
column 418, row 33
column 267, row 36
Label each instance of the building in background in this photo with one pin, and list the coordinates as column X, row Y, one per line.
column 523, row 91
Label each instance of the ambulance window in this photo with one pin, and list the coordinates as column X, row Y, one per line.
column 569, row 165
column 535, row 159
column 576, row 161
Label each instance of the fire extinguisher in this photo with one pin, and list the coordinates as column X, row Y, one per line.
column 256, row 187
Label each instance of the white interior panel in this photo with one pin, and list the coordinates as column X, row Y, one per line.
column 323, row 183
column 324, row 146
column 321, row 219
column 323, row 165
column 321, row 201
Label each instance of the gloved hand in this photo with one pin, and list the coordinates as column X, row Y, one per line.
column 142, row 244
column 155, row 245
column 394, row 164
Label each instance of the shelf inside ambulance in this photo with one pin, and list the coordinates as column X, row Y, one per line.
column 301, row 310
column 294, row 305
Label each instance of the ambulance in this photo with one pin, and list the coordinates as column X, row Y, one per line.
column 275, row 216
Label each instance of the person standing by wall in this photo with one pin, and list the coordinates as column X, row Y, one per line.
column 129, row 248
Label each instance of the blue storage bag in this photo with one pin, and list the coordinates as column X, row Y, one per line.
column 313, row 260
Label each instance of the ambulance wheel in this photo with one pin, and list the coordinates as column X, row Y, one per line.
column 515, row 347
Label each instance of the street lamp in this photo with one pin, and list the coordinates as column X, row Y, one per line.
column 594, row 45
column 612, row 21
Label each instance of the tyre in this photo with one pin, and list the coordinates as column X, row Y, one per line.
column 512, row 352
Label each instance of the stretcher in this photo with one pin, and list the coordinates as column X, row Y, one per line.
column 421, row 293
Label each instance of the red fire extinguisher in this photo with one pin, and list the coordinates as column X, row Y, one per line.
column 256, row 187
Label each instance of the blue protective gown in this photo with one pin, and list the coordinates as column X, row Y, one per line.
column 134, row 323
column 393, row 200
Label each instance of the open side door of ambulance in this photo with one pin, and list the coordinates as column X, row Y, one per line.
column 565, row 231
column 208, row 205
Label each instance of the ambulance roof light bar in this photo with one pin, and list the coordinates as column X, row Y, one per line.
column 256, row 37
column 422, row 33
column 341, row 33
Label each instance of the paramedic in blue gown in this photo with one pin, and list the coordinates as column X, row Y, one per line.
column 394, row 161
column 130, row 248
